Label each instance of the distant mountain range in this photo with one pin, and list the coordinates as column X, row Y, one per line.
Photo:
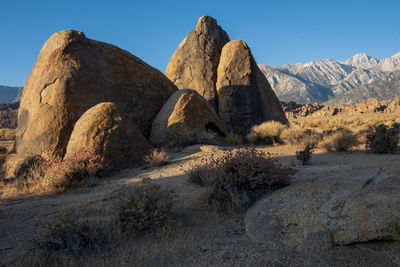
column 336, row 82
column 10, row 94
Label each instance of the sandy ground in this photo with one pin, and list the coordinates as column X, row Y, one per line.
column 205, row 237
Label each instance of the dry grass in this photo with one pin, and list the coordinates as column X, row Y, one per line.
column 156, row 157
column 267, row 132
column 57, row 175
column 145, row 208
column 357, row 123
column 341, row 140
column 295, row 135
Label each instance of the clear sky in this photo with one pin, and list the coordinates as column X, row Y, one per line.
column 278, row 32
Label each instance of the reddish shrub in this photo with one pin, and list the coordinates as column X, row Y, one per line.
column 240, row 177
column 60, row 174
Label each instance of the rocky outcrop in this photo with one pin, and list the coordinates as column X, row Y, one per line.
column 318, row 214
column 73, row 74
column 107, row 130
column 245, row 97
column 195, row 62
column 184, row 115
column 369, row 106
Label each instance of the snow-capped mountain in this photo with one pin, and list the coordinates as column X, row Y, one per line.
column 325, row 80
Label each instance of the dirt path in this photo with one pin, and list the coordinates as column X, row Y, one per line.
column 207, row 237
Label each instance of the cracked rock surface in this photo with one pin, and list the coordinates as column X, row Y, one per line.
column 322, row 209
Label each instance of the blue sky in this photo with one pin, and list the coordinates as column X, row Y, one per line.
column 278, row 32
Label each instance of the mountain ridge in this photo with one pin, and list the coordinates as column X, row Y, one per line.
column 328, row 79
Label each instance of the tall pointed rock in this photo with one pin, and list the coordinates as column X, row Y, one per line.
column 245, row 97
column 195, row 62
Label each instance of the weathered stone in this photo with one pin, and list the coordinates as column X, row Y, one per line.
column 185, row 114
column 245, row 97
column 74, row 73
column 195, row 62
column 331, row 211
column 107, row 130
column 19, row 165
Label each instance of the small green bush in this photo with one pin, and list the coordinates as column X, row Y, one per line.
column 239, row 178
column 145, row 208
column 383, row 139
column 266, row 133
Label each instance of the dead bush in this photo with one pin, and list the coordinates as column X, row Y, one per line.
column 69, row 236
column 233, row 139
column 63, row 174
column 266, row 133
column 304, row 155
column 298, row 137
column 145, row 208
column 156, row 157
column 239, row 178
column 341, row 140
column 383, row 139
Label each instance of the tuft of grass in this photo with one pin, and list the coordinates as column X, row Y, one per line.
column 383, row 139
column 156, row 157
column 341, row 140
column 238, row 178
column 266, row 133
column 145, row 208
column 301, row 137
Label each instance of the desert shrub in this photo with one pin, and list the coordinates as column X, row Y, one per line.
column 297, row 136
column 62, row 174
column 267, row 132
column 156, row 157
column 145, row 208
column 239, row 178
column 341, row 140
column 304, row 155
column 68, row 235
column 383, row 139
column 7, row 134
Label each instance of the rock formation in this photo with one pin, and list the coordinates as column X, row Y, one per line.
column 245, row 97
column 74, row 73
column 107, row 130
column 185, row 114
column 195, row 62
column 317, row 214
